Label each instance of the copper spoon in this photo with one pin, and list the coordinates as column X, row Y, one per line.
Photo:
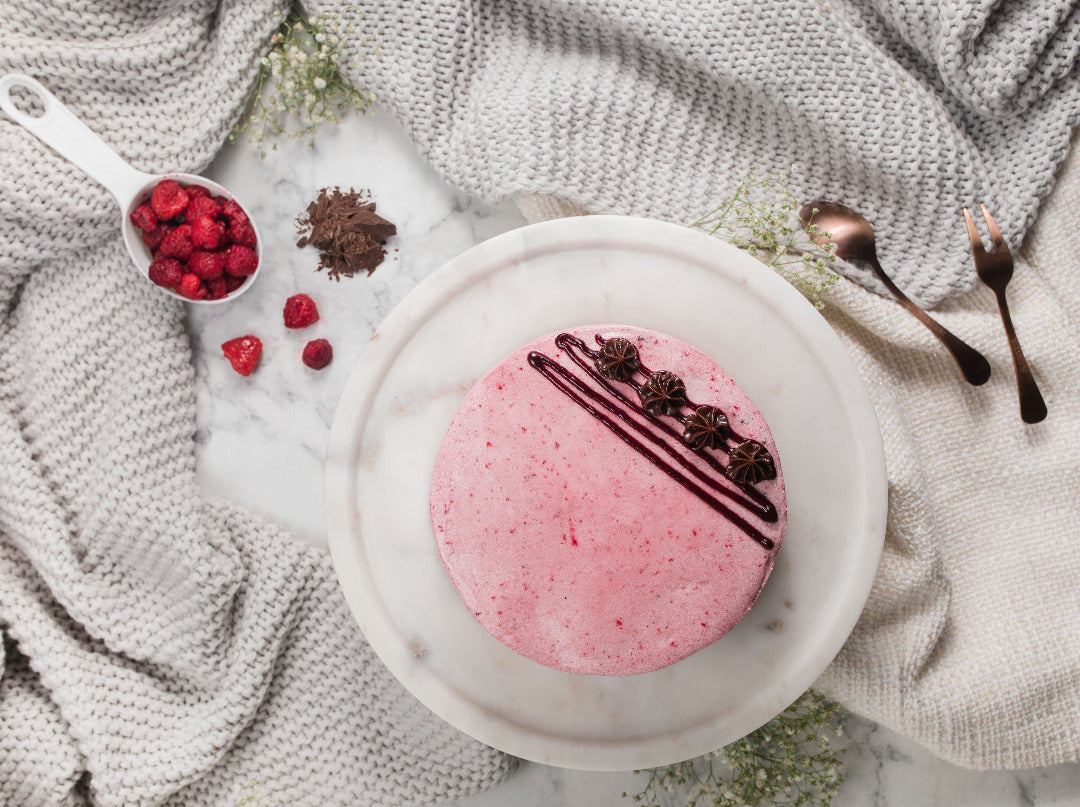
column 854, row 240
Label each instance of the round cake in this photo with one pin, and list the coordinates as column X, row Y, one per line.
column 607, row 500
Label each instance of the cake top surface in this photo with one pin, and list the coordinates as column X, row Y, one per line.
column 608, row 500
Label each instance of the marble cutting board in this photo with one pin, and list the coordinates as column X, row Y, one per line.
column 447, row 332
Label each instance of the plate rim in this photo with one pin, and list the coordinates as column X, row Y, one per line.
column 400, row 326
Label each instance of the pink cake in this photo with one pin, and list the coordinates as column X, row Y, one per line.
column 608, row 501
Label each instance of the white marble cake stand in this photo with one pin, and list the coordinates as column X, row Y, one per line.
column 408, row 384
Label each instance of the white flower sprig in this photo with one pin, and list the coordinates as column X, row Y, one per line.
column 300, row 84
column 760, row 218
column 791, row 761
column 252, row 794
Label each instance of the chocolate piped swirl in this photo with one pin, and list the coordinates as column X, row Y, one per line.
column 617, row 359
column 708, row 426
column 749, row 463
column 663, row 393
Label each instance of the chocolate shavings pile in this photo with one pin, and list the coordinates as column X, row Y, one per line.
column 344, row 228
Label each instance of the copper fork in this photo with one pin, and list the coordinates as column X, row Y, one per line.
column 995, row 269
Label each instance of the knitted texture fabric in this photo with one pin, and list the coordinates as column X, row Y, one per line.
column 906, row 110
column 157, row 647
column 968, row 640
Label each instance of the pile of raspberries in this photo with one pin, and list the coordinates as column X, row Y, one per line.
column 203, row 246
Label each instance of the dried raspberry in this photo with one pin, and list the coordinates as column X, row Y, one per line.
column 233, row 283
column 206, row 233
column 191, row 287
column 177, row 244
column 217, row 288
column 168, row 199
column 166, row 272
column 300, row 311
column 318, row 353
column 206, row 265
column 196, row 192
column 153, row 238
column 201, row 206
column 243, row 353
column 243, row 233
column 240, row 260
column 234, row 213
column 143, row 218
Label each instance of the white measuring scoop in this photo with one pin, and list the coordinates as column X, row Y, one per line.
column 58, row 128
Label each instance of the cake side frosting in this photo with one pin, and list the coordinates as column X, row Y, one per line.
column 596, row 515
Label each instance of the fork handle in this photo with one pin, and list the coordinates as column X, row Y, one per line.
column 1032, row 405
column 972, row 363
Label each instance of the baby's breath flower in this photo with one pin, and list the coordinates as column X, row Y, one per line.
column 758, row 218
column 779, row 765
column 300, row 83
column 252, row 794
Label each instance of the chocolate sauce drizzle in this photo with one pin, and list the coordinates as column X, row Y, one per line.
column 589, row 399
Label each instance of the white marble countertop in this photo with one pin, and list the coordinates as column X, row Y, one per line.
column 262, row 439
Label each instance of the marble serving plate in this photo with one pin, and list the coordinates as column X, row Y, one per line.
column 480, row 306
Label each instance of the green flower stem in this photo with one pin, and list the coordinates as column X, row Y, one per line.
column 787, row 762
column 300, row 85
column 760, row 218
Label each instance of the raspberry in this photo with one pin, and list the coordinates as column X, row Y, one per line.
column 196, row 191
column 206, row 265
column 317, row 354
column 216, row 288
column 168, row 199
column 243, row 353
column 240, row 260
column 153, row 238
column 201, row 206
column 166, row 272
column 233, row 212
column 242, row 233
column 233, row 283
column 143, row 218
column 177, row 244
column 191, row 287
column 300, row 311
column 206, row 233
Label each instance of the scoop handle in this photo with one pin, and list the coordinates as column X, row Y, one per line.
column 71, row 138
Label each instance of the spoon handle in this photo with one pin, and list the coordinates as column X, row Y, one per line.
column 58, row 127
column 972, row 363
column 1032, row 405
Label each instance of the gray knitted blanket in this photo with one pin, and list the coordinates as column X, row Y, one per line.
column 158, row 647
column 907, row 110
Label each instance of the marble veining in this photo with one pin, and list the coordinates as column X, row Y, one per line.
column 262, row 439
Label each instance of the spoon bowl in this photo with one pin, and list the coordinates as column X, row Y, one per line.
column 842, row 226
column 854, row 239
column 60, row 129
